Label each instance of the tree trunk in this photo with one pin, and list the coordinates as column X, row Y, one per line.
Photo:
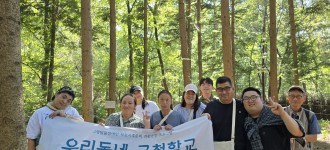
column 199, row 40
column 226, row 41
column 233, row 36
column 273, row 52
column 184, row 45
column 294, row 44
column 263, row 52
column 87, row 61
column 130, row 41
column 145, row 47
column 188, row 29
column 45, row 64
column 161, row 63
column 52, row 49
column 112, row 64
column 12, row 124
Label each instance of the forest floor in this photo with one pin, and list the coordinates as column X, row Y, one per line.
column 323, row 140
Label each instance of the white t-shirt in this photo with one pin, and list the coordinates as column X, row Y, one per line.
column 36, row 122
column 151, row 107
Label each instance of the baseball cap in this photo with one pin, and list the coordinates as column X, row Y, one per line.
column 135, row 88
column 190, row 87
column 295, row 87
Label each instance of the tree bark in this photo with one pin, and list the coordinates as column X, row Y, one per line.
column 273, row 51
column 226, row 41
column 199, row 40
column 184, row 45
column 112, row 63
column 12, row 124
column 87, row 61
column 263, row 52
column 145, row 47
column 130, row 41
column 233, row 36
column 52, row 49
column 294, row 44
column 45, row 64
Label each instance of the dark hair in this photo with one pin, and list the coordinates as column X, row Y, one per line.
column 138, row 88
column 65, row 89
column 223, row 79
column 207, row 80
column 251, row 89
column 165, row 92
column 128, row 94
column 195, row 106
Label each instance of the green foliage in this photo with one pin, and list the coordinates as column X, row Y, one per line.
column 312, row 26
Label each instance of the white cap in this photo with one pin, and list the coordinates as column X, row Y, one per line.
column 190, row 87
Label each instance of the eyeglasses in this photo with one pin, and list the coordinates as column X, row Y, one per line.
column 221, row 89
column 295, row 96
column 253, row 98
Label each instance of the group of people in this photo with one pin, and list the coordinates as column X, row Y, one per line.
column 249, row 123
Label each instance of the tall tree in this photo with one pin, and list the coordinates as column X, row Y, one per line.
column 12, row 122
column 233, row 35
column 273, row 50
column 45, row 64
column 160, row 58
column 130, row 40
column 199, row 40
column 52, row 49
column 293, row 41
column 188, row 27
column 263, row 52
column 226, row 40
column 87, row 61
column 112, row 63
column 184, row 45
column 145, row 47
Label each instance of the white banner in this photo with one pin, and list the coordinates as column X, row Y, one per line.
column 65, row 134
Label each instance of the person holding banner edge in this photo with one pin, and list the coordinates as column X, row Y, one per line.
column 227, row 115
column 165, row 118
column 190, row 107
column 59, row 106
column 126, row 117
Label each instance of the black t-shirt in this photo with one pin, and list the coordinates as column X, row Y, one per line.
column 221, row 117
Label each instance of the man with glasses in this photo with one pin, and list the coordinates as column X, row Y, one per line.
column 268, row 127
column 296, row 97
column 221, row 112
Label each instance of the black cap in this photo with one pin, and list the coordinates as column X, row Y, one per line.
column 135, row 88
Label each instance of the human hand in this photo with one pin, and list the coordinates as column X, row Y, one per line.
column 168, row 127
column 207, row 115
column 157, row 127
column 275, row 107
column 57, row 113
column 146, row 116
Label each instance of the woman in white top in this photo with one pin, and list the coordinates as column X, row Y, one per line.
column 190, row 107
column 59, row 106
column 143, row 106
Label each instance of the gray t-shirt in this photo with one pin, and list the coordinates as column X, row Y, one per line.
column 174, row 119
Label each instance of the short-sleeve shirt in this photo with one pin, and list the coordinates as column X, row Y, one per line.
column 36, row 122
column 132, row 122
column 221, row 117
column 174, row 119
column 150, row 107
column 185, row 112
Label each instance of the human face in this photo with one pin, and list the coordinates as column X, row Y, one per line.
column 138, row 95
column 62, row 100
column 252, row 103
column 165, row 101
column 225, row 92
column 127, row 105
column 189, row 98
column 206, row 88
column 296, row 99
